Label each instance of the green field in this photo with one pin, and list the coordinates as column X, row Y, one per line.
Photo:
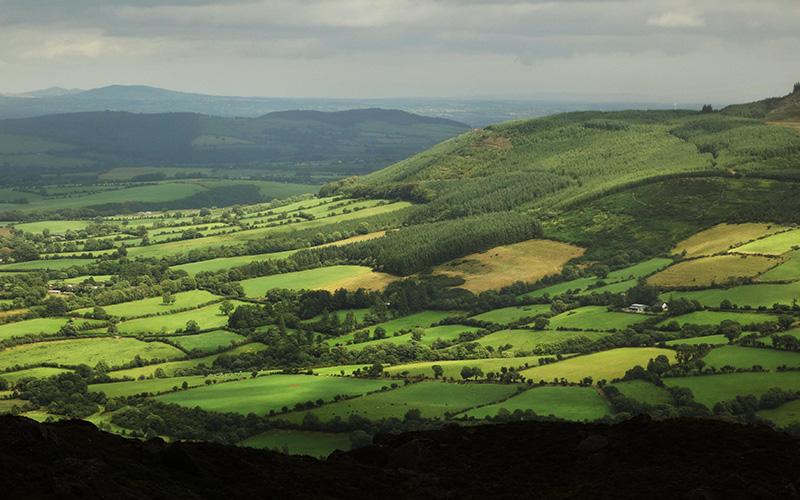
column 722, row 237
column 570, row 403
column 40, row 327
column 221, row 263
column 42, row 372
column 49, row 264
column 639, row 270
column 716, row 317
column 324, row 278
column 708, row 339
column 604, row 365
column 452, row 368
column 747, row 357
column 561, row 288
column 262, row 394
column 784, row 415
column 710, row 389
column 713, row 270
column 422, row 319
column 507, row 315
column 206, row 317
column 789, row 270
column 644, row 392
column 155, row 305
column 207, row 342
column 745, row 295
column 595, row 318
column 114, row 351
column 776, row 244
column 446, row 333
column 54, row 226
column 433, row 399
column 314, row 444
column 546, row 341
column 170, row 368
column 159, row 385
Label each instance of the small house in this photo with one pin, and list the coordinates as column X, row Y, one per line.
column 637, row 308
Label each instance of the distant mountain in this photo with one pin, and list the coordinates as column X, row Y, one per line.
column 786, row 108
column 344, row 142
column 50, row 92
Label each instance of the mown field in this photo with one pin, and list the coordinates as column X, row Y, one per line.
column 525, row 340
column 206, row 317
column 314, row 444
column 759, row 295
column 155, row 305
column 747, row 357
column 711, row 389
column 328, row 278
column 451, row 369
column 717, row 317
column 571, row 403
column 160, row 385
column 207, row 342
column 775, row 244
column 507, row 315
column 170, row 368
column 723, row 237
column 41, row 327
column 709, row 271
column 645, row 392
column 604, row 365
column 595, row 318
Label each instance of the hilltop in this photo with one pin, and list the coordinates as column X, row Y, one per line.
column 786, row 108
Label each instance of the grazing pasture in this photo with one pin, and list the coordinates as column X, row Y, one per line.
column 595, row 318
column 270, row 393
column 639, row 270
column 507, row 315
column 539, row 341
column 711, row 389
column 788, row 270
column 113, row 351
column 46, row 264
column 747, row 357
column 432, row 399
column 783, row 416
column 41, row 372
column 160, row 385
column 212, row 265
column 155, row 305
column 206, row 317
column 723, row 237
column 207, row 342
column 328, row 278
column 708, row 339
column 644, row 392
column 604, row 365
column 53, row 226
column 313, row 444
column 41, row 327
column 446, row 333
column 776, row 244
column 452, row 368
column 716, row 317
column 422, row 319
column 708, row 271
column 762, row 294
column 570, row 403
column 503, row 265
column 171, row 368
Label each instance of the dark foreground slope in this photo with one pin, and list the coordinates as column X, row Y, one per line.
column 636, row 459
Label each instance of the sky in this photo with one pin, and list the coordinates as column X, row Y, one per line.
column 655, row 50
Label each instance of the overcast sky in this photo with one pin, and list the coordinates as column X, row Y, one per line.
column 664, row 50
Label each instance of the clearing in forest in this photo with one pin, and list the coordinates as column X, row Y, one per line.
column 504, row 265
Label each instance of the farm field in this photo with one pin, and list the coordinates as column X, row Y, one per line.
column 640, row 270
column 207, row 342
column 776, row 244
column 270, row 393
column 763, row 294
column 579, row 284
column 170, row 368
column 603, row 365
column 595, row 318
column 53, row 226
column 207, row 317
column 432, row 399
column 325, row 278
column 42, row 372
column 446, row 333
column 645, row 392
column 722, row 237
column 708, row 339
column 221, row 263
column 40, row 327
column 160, row 385
column 155, row 305
column 717, row 317
column 423, row 319
column 314, row 444
column 789, row 270
column 507, row 315
column 538, row 341
column 452, row 368
column 570, row 403
column 783, row 416
column 113, row 351
column 501, row 266
column 747, row 357
column 708, row 271
column 48, row 264
column 710, row 389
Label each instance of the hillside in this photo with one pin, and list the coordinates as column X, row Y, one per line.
column 340, row 142
column 786, row 108
column 674, row 459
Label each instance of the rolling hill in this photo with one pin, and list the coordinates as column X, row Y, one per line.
column 786, row 108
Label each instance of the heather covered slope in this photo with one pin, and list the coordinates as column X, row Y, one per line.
column 635, row 459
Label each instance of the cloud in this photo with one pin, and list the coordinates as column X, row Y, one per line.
column 677, row 20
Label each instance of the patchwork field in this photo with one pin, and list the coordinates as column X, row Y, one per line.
column 273, row 392
column 159, row 385
column 640, row 270
column 41, row 372
column 544, row 341
column 155, row 305
column 606, row 365
column 747, row 357
column 211, row 265
column 206, row 317
column 46, row 264
column 708, row 339
column 722, row 237
column 707, row 271
column 717, row 317
column 452, row 368
column 40, row 327
column 763, row 294
column 570, row 403
column 328, row 278
column 171, row 368
column 710, row 389
column 446, row 333
column 314, row 444
column 644, row 392
column 784, row 415
column 423, row 319
column 114, row 351
column 53, row 226
column 789, row 270
column 507, row 315
column 432, row 399
column 207, row 342
column 595, row 318
column 501, row 266
column 776, row 244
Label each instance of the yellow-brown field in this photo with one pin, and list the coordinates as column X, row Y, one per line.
column 718, row 269
column 501, row 266
column 722, row 237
